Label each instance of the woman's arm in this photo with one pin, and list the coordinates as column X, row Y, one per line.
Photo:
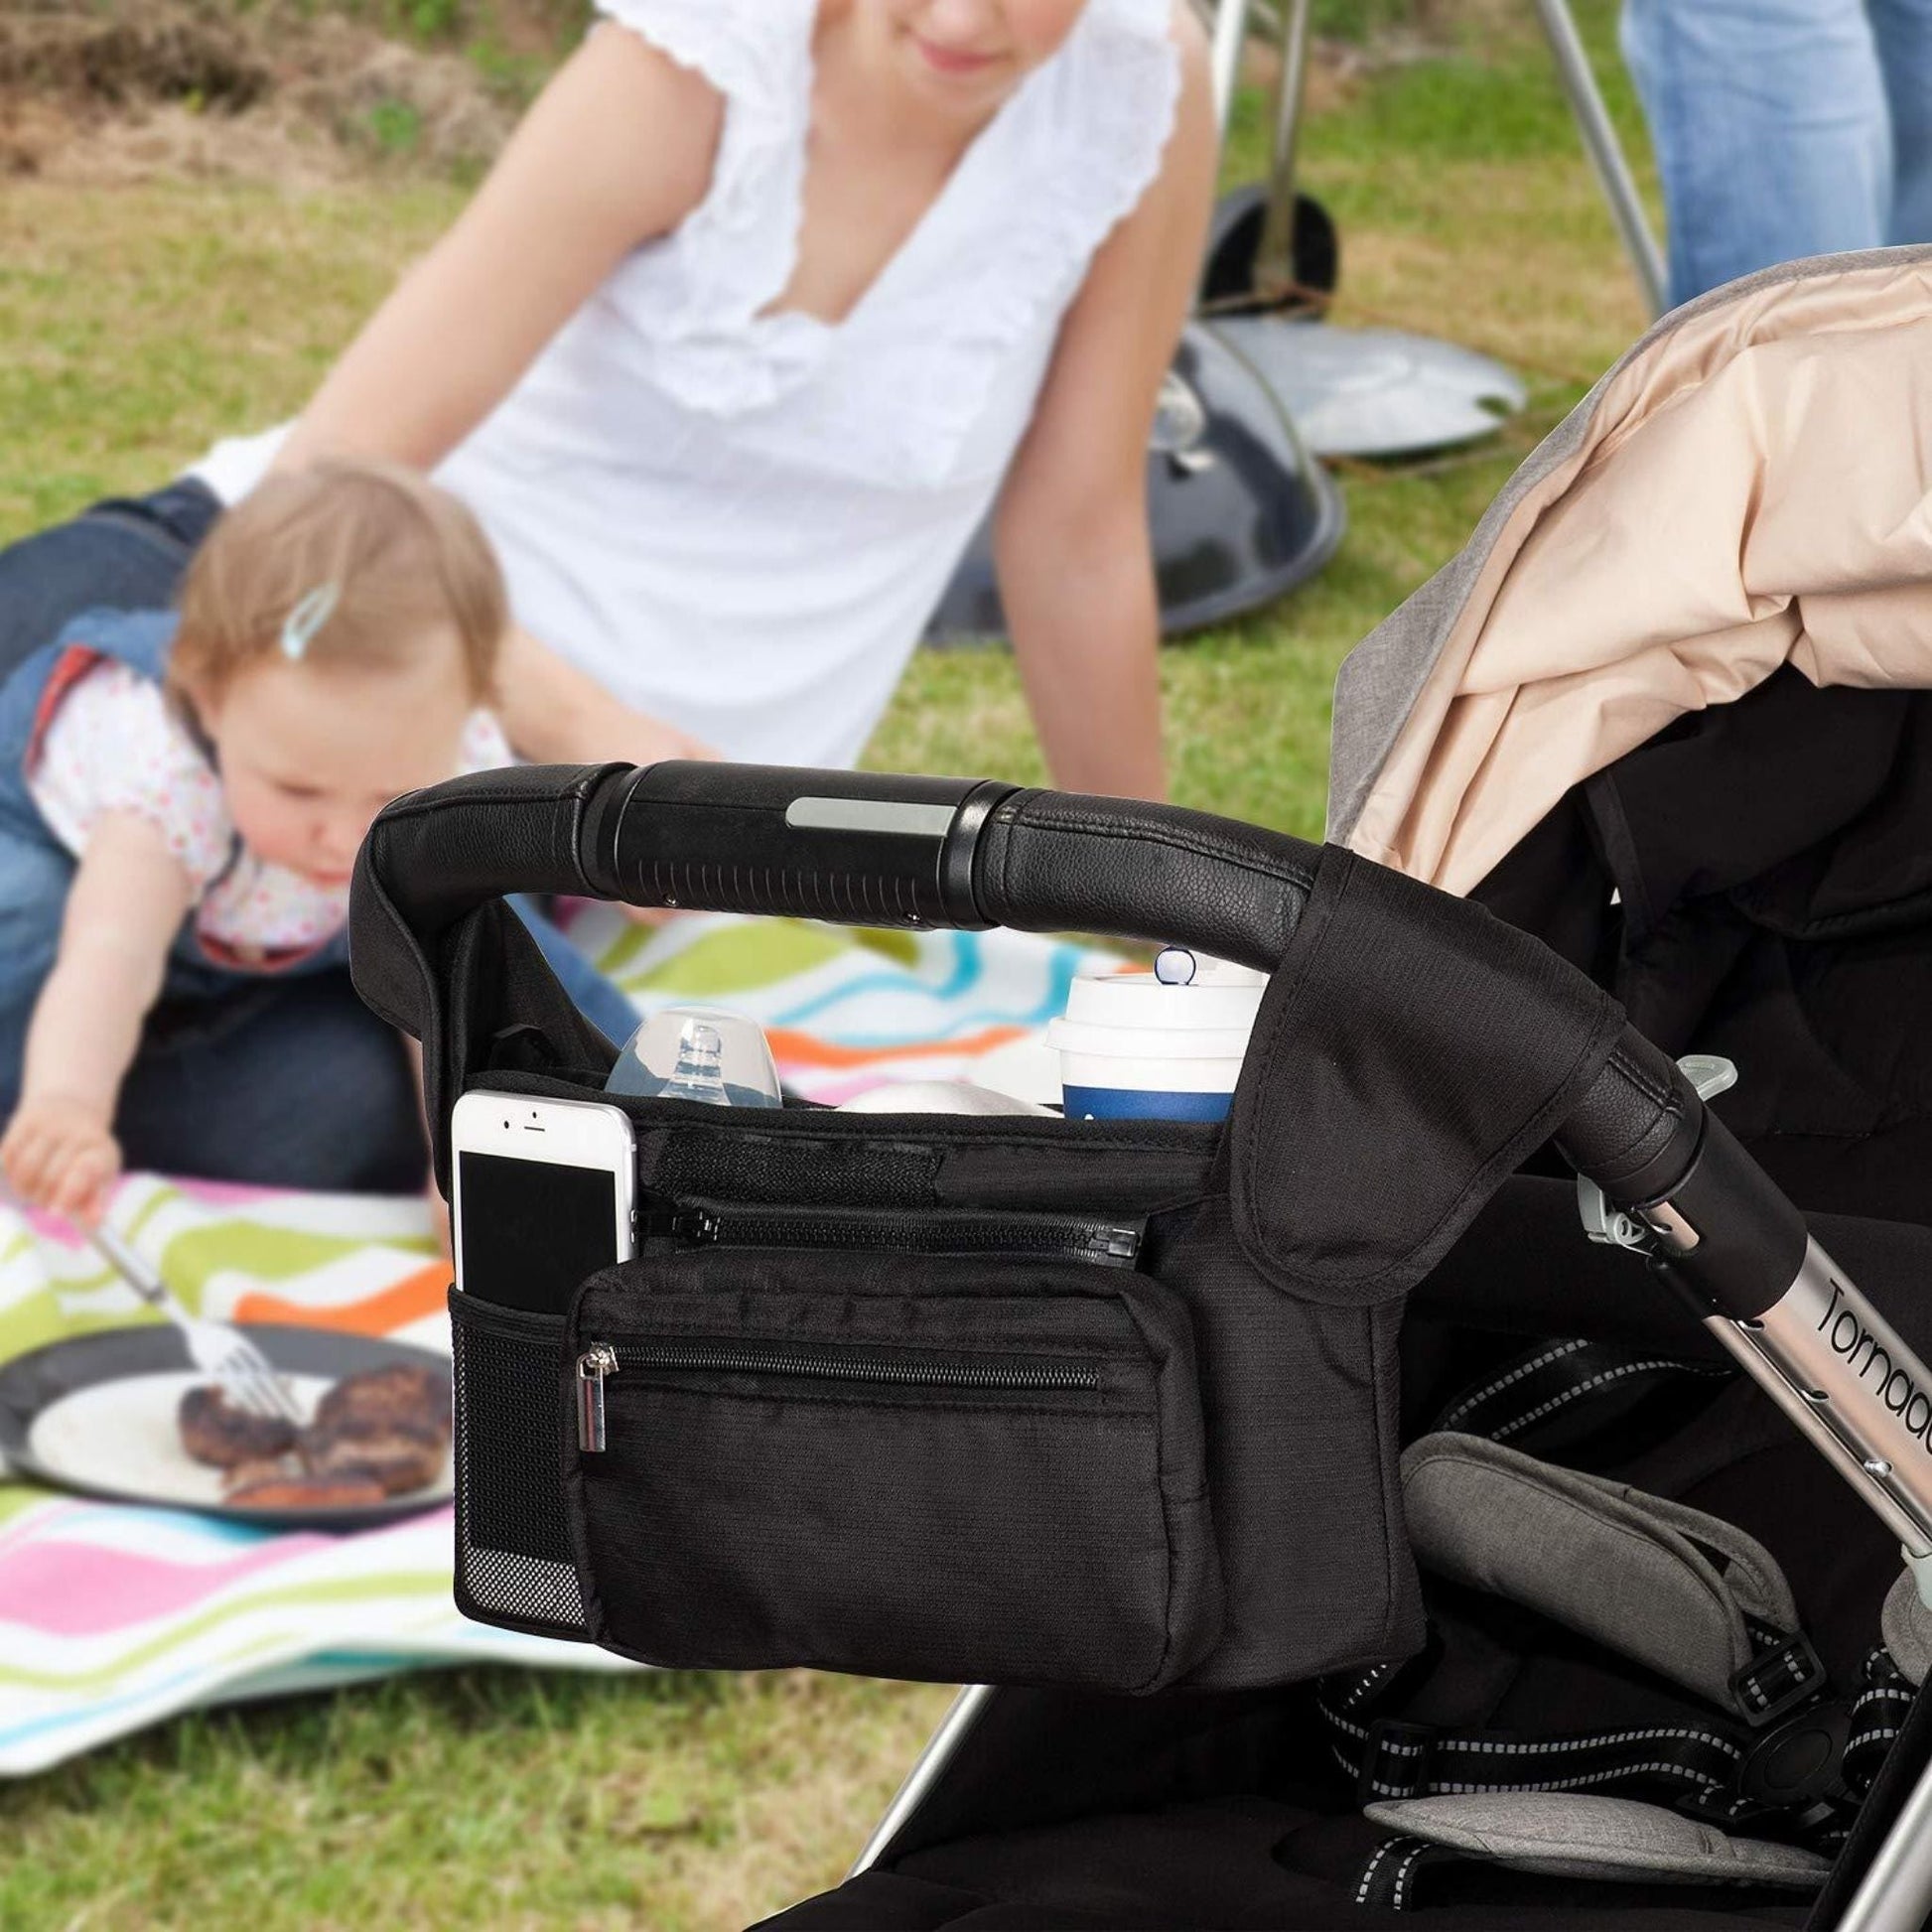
column 125, row 905
column 619, row 148
column 1071, row 537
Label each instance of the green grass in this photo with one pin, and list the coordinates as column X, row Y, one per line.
column 481, row 1798
column 138, row 324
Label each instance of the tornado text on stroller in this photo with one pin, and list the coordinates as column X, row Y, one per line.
column 1851, row 1338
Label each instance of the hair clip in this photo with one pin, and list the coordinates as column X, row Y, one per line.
column 311, row 612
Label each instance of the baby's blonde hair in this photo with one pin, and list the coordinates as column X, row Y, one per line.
column 402, row 555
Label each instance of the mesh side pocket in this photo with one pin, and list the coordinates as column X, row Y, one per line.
column 514, row 1562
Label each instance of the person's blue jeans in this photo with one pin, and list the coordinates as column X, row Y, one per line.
column 288, row 1080
column 1784, row 129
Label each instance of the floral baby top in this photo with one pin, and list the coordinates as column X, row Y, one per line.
column 115, row 743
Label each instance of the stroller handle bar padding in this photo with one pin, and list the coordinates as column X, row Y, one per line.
column 878, row 848
column 852, row 847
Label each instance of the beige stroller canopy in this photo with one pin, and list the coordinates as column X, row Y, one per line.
column 1750, row 486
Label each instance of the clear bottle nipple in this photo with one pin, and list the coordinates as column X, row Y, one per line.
column 699, row 1073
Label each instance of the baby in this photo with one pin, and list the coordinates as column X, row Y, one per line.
column 181, row 798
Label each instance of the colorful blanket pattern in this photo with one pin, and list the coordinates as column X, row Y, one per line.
column 114, row 1617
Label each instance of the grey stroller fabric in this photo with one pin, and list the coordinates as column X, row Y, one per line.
column 1570, row 1835
column 1651, row 1578
column 1907, row 1627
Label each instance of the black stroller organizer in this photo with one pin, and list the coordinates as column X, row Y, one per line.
column 1102, row 1409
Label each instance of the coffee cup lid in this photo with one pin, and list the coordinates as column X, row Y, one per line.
column 1221, row 997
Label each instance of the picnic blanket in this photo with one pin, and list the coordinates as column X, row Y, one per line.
column 113, row 1617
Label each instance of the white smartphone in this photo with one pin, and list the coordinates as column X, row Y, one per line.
column 545, row 1192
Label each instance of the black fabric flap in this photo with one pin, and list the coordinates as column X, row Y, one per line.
column 1409, row 1052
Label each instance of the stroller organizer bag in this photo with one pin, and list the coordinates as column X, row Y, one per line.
column 1101, row 1406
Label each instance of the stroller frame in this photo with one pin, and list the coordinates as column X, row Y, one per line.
column 865, row 848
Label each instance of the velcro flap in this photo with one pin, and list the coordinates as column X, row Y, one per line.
column 1654, row 1581
column 1409, row 1052
column 1572, row 1835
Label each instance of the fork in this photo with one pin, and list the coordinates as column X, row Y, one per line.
column 217, row 1348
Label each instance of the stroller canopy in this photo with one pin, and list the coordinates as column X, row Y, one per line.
column 1745, row 489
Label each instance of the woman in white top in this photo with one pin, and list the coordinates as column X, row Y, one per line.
column 762, row 306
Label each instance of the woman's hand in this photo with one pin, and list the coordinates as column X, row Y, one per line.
column 60, row 1154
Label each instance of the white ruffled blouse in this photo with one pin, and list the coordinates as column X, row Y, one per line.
column 739, row 522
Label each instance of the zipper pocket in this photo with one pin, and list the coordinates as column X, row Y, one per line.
column 963, row 1231
column 601, row 1359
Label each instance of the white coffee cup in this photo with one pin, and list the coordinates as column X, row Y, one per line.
column 1164, row 1044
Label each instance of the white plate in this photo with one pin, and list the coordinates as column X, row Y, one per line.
column 122, row 1437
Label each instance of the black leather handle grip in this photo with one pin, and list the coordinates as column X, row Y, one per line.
column 860, row 848
column 856, row 848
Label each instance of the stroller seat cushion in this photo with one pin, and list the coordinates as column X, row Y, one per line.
column 1572, row 1835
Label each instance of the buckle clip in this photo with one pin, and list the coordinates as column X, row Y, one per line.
column 1395, row 1761
column 1777, row 1681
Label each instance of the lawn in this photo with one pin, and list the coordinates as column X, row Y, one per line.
column 137, row 323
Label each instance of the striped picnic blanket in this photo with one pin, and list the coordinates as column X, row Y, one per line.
column 113, row 1617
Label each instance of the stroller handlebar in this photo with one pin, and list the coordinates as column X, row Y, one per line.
column 873, row 849
column 878, row 848
column 858, row 848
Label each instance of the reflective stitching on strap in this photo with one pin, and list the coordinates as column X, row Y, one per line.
column 1895, row 1690
column 1382, row 1850
column 1445, row 1789
column 1595, row 1740
column 1555, row 1402
column 1496, row 1748
column 1502, row 1382
column 1398, row 1900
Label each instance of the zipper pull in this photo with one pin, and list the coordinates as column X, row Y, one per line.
column 592, row 1365
column 1121, row 1243
column 695, row 1224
